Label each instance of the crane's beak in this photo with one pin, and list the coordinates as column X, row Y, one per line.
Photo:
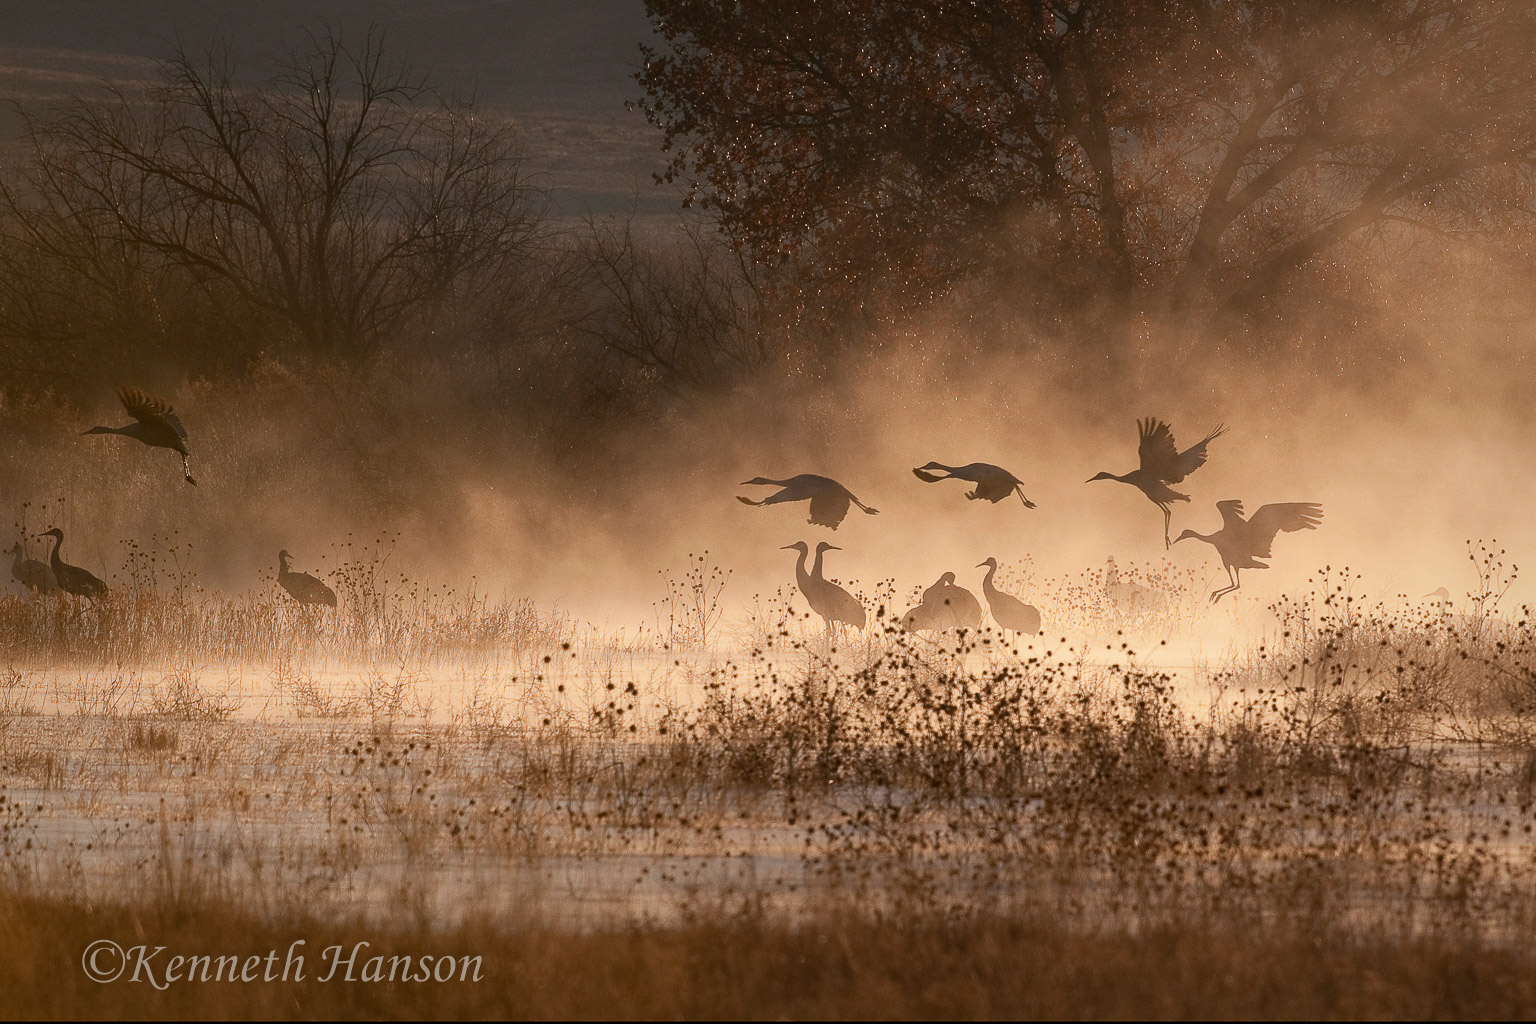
column 789, row 547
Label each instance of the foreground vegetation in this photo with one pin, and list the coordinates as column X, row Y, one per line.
column 751, row 817
column 839, row 965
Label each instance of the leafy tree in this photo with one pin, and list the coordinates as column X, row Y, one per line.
column 1145, row 155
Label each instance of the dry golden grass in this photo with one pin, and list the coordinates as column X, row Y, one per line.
column 887, row 825
column 833, row 966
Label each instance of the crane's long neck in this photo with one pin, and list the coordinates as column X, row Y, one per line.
column 986, row 583
column 53, row 559
column 816, row 569
column 800, row 574
column 282, row 566
column 16, row 562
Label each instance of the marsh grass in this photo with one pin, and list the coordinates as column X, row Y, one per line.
column 1363, row 774
column 378, row 617
column 740, row 966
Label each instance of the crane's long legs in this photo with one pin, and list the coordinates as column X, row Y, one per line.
column 1167, row 525
column 187, row 472
column 1217, row 595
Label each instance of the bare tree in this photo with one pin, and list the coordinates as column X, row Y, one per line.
column 682, row 310
column 341, row 198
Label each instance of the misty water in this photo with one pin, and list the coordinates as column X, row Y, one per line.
column 496, row 782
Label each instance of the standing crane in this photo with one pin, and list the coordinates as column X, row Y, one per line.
column 829, row 499
column 301, row 586
column 157, row 425
column 827, row 599
column 1162, row 464
column 1241, row 543
column 71, row 578
column 934, row 595
column 1009, row 611
column 1129, row 598
column 993, row 483
column 944, row 606
column 1478, row 624
column 30, row 573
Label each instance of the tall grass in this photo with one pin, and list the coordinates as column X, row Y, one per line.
column 1365, row 774
column 156, row 616
column 740, row 966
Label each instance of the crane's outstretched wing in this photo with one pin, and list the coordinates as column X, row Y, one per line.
column 145, row 408
column 993, row 483
column 1193, row 457
column 1289, row 516
column 1159, row 455
column 829, row 508
column 1231, row 514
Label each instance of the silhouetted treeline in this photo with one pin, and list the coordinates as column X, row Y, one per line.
column 1216, row 160
column 1039, row 169
column 338, row 215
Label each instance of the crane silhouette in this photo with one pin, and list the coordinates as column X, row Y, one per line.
column 827, row 599
column 935, row 594
column 1007, row 610
column 829, row 499
column 1162, row 464
column 944, row 606
column 1130, row 598
column 71, row 578
column 30, row 573
column 993, row 483
column 156, row 426
column 1242, row 543
column 1478, row 624
column 301, row 586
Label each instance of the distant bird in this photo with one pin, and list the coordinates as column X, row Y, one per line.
column 827, row 599
column 1241, row 543
column 1162, row 464
column 157, row 425
column 993, row 483
column 1130, row 598
column 829, row 499
column 1007, row 610
column 944, row 606
column 1476, row 624
column 1445, row 609
column 32, row 574
column 301, row 586
column 72, row 578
